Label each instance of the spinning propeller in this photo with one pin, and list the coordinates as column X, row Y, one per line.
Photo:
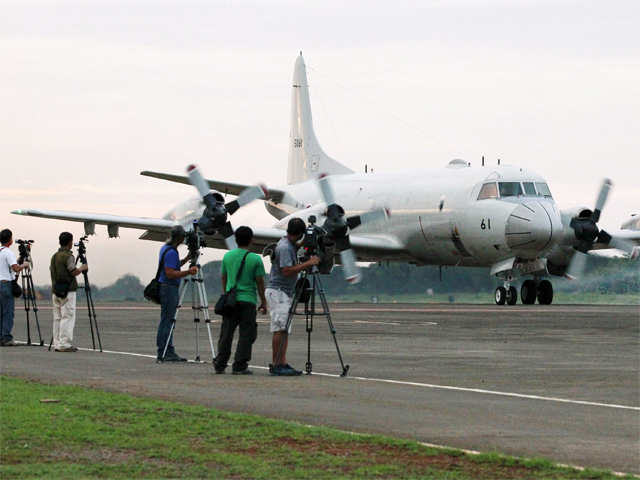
column 215, row 216
column 587, row 233
column 338, row 228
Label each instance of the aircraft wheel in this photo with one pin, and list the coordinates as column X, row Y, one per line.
column 512, row 296
column 501, row 295
column 545, row 292
column 528, row 292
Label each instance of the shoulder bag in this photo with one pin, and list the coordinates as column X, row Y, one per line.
column 152, row 291
column 227, row 301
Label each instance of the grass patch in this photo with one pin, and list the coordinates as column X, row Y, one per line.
column 91, row 433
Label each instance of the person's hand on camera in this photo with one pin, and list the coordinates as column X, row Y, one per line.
column 262, row 309
column 84, row 268
column 193, row 270
column 315, row 260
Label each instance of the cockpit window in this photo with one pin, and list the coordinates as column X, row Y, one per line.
column 488, row 190
column 529, row 189
column 543, row 190
column 510, row 189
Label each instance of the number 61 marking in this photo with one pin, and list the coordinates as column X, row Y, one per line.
column 484, row 225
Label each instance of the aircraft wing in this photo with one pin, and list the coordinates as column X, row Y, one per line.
column 156, row 224
column 222, row 187
column 367, row 248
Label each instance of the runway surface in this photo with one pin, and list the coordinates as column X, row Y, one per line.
column 560, row 382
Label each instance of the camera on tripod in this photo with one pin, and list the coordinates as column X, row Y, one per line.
column 82, row 248
column 316, row 242
column 24, row 249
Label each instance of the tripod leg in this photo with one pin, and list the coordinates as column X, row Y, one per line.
column 325, row 306
column 195, row 307
column 27, row 307
column 204, row 303
column 32, row 291
column 166, row 345
column 92, row 314
column 292, row 312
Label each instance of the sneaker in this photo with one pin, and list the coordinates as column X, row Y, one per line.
column 174, row 357
column 8, row 343
column 283, row 371
column 66, row 349
column 219, row 371
column 246, row 371
column 298, row 372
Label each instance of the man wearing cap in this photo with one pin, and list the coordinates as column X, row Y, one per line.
column 169, row 279
column 279, row 293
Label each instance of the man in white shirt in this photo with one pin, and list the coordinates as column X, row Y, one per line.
column 8, row 269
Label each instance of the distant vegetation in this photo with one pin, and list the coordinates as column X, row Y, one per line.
column 604, row 280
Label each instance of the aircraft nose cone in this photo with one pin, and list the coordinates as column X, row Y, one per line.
column 529, row 229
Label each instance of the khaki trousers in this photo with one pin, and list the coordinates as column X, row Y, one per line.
column 64, row 319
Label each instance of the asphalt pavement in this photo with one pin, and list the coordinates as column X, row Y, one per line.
column 560, row 382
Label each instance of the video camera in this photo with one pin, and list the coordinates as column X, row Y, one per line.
column 82, row 249
column 316, row 242
column 24, row 249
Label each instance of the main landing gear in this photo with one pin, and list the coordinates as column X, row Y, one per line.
column 529, row 292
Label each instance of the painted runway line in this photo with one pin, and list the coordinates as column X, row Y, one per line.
column 423, row 385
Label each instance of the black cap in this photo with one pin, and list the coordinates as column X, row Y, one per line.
column 296, row 226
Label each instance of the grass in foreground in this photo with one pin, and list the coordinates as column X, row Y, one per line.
column 91, row 433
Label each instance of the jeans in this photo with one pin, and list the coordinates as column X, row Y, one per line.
column 6, row 311
column 169, row 296
column 244, row 316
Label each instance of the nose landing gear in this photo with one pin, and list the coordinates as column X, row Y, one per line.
column 507, row 294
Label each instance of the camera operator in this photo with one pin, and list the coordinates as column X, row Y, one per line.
column 63, row 284
column 8, row 269
column 279, row 293
column 169, row 280
column 243, row 271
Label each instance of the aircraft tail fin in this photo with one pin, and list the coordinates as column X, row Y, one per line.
column 306, row 157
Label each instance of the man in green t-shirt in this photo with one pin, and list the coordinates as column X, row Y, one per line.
column 244, row 314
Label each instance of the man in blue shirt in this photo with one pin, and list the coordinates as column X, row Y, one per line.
column 169, row 280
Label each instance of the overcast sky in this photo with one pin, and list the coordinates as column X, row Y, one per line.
column 93, row 92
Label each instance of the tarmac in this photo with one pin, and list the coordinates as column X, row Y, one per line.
column 559, row 382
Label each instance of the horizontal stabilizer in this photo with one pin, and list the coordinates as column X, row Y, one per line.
column 223, row 187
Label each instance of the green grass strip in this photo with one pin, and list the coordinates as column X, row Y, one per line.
column 95, row 434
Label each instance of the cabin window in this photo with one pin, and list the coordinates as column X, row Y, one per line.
column 488, row 190
column 529, row 189
column 510, row 189
column 543, row 190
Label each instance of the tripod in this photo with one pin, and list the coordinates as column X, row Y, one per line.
column 91, row 311
column 306, row 291
column 199, row 304
column 29, row 297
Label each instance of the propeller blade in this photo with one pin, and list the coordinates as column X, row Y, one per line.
column 327, row 192
column 248, row 195
column 197, row 180
column 368, row 217
column 227, row 232
column 602, row 198
column 577, row 266
column 351, row 271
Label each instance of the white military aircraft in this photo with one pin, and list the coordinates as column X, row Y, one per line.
column 503, row 217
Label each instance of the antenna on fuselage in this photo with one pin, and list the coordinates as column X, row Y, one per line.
column 365, row 168
column 483, row 160
column 498, row 161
